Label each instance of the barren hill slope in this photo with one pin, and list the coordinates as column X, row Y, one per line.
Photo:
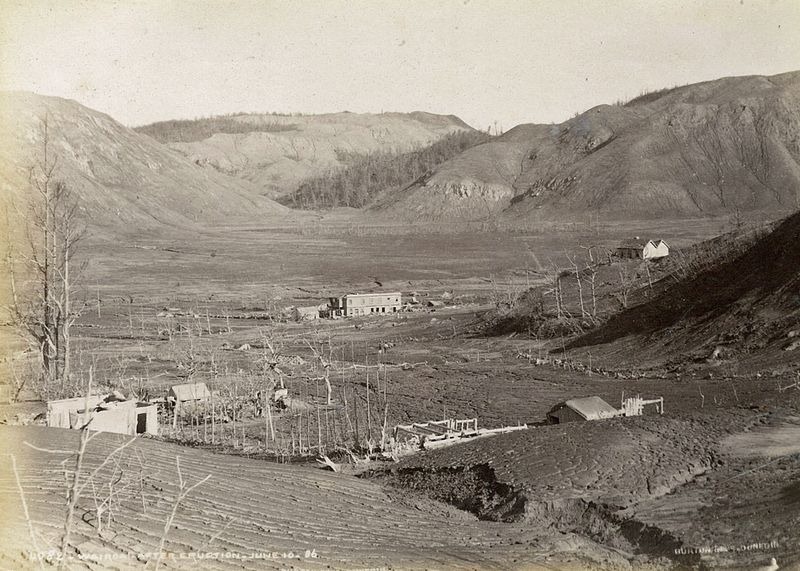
column 124, row 180
column 702, row 149
column 747, row 307
column 277, row 152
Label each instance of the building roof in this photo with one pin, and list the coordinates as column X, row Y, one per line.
column 191, row 391
column 380, row 293
column 591, row 408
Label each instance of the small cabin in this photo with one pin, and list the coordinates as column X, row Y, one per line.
column 104, row 413
column 305, row 313
column 189, row 392
column 638, row 248
column 586, row 408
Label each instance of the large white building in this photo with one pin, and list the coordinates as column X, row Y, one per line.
column 355, row 304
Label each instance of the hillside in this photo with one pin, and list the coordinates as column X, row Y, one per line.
column 747, row 307
column 381, row 173
column 276, row 153
column 124, row 181
column 703, row 149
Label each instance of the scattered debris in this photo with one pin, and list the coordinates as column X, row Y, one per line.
column 409, row 438
column 325, row 461
column 634, row 406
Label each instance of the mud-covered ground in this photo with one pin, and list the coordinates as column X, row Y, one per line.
column 714, row 488
column 718, row 470
column 248, row 515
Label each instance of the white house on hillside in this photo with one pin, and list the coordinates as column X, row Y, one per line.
column 643, row 249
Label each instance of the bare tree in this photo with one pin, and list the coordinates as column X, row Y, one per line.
column 184, row 489
column 627, row 282
column 591, row 273
column 580, row 283
column 553, row 274
column 737, row 219
column 44, row 312
column 325, row 363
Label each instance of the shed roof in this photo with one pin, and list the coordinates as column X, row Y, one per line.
column 191, row 391
column 591, row 408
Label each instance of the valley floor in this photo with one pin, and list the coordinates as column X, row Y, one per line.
column 718, row 469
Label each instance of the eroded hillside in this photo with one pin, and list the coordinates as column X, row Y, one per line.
column 745, row 307
column 704, row 149
column 123, row 181
column 276, row 153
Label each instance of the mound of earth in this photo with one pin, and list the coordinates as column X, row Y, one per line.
column 549, row 464
column 749, row 305
column 277, row 152
column 746, row 510
column 704, row 149
column 123, row 181
column 657, row 487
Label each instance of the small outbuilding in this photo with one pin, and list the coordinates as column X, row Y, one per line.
column 586, row 408
column 305, row 313
column 189, row 392
column 109, row 413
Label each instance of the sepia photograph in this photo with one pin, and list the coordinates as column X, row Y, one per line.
column 373, row 285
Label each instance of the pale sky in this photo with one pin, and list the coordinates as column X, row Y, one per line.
column 510, row 61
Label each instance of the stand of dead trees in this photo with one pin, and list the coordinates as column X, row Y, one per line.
column 365, row 176
column 334, row 403
column 42, row 273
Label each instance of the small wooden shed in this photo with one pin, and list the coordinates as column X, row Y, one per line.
column 586, row 408
column 189, row 392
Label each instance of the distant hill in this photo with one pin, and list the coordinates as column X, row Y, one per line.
column 366, row 177
column 125, row 181
column 704, row 149
column 276, row 153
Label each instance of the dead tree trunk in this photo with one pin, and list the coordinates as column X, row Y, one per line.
column 580, row 284
column 592, row 272
column 45, row 314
